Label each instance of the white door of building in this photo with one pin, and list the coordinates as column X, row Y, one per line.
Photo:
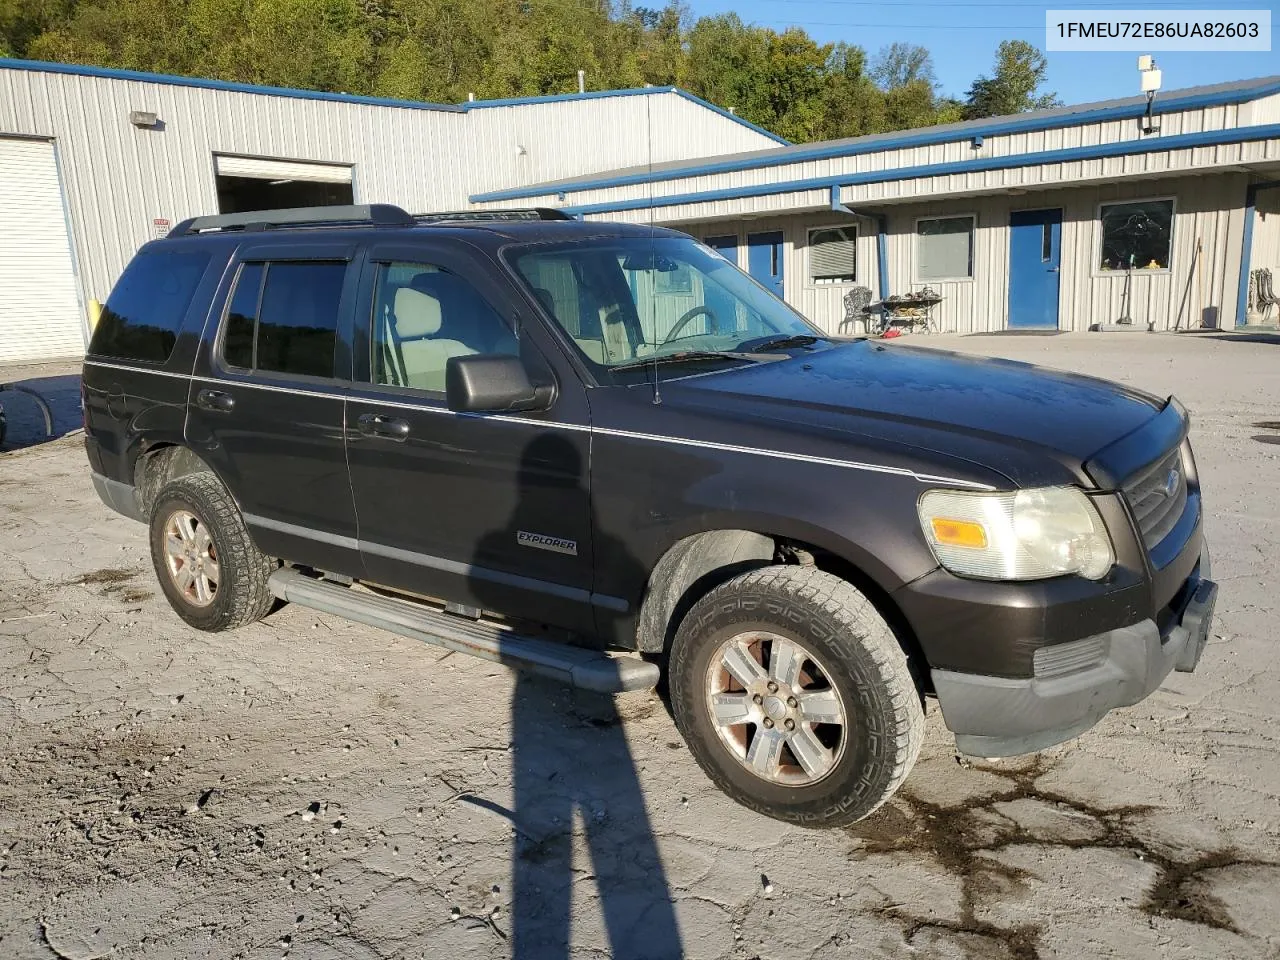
column 40, row 316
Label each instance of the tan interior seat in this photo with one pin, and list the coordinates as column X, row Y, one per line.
column 417, row 321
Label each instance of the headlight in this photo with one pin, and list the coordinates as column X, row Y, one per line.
column 1022, row 535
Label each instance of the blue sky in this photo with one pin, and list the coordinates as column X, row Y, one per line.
column 963, row 37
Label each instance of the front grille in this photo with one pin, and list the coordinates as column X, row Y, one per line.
column 1158, row 495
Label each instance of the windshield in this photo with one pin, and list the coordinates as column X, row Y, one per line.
column 629, row 298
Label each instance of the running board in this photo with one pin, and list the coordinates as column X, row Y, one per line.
column 585, row 669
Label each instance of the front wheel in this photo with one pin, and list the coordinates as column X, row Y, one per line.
column 795, row 697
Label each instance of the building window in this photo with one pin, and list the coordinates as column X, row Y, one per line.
column 833, row 255
column 1137, row 234
column 676, row 281
column 944, row 248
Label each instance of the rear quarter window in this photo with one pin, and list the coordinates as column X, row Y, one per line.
column 144, row 313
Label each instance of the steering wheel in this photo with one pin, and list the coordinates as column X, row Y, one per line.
column 684, row 322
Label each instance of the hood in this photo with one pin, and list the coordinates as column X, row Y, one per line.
column 995, row 401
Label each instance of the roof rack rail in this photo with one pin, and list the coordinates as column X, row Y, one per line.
column 378, row 214
column 522, row 213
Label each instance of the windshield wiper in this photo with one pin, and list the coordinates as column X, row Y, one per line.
column 684, row 356
column 791, row 340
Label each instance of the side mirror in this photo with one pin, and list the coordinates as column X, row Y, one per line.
column 496, row 383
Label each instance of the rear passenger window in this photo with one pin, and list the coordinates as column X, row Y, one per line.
column 287, row 323
column 144, row 313
column 242, row 317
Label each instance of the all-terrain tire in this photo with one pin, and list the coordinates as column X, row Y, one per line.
column 864, row 664
column 241, row 596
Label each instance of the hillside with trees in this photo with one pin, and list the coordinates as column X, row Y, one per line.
column 446, row 50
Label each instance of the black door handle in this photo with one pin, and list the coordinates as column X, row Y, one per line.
column 215, row 400
column 376, row 425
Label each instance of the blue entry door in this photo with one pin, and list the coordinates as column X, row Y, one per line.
column 1035, row 256
column 764, row 259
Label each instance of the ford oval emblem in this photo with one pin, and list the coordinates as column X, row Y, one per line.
column 1171, row 483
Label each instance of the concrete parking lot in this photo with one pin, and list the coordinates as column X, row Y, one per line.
column 310, row 788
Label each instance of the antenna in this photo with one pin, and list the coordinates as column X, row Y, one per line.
column 653, row 253
column 1151, row 81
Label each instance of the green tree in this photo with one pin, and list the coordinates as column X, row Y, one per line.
column 1019, row 71
column 902, row 64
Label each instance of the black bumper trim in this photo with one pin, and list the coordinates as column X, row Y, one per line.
column 118, row 496
column 1004, row 716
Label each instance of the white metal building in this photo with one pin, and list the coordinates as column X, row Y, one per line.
column 93, row 163
column 1061, row 219
column 1064, row 218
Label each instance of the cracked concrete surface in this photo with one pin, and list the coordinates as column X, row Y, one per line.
column 311, row 788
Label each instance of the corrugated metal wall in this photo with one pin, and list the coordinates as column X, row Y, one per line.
column 570, row 137
column 1208, row 210
column 118, row 178
column 821, row 303
column 1266, row 242
column 1154, row 161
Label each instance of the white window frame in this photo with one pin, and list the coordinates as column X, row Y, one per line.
column 813, row 284
column 973, row 247
column 1097, row 270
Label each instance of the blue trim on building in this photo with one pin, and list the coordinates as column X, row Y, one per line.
column 109, row 73
column 1246, row 254
column 916, row 138
column 882, row 241
column 629, row 92
column 40, row 66
column 692, row 98
column 1180, row 142
column 561, row 97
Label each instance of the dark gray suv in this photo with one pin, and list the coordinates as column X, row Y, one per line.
column 603, row 453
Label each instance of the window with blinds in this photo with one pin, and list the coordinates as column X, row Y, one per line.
column 833, row 255
column 944, row 247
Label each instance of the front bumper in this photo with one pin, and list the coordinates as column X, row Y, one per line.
column 1076, row 684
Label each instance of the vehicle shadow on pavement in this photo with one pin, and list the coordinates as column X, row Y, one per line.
column 581, row 769
column 38, row 409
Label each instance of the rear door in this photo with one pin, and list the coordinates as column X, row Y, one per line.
column 485, row 510
column 267, row 399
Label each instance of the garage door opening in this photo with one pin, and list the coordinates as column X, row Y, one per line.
column 253, row 183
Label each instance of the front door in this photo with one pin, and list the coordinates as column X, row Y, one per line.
column 764, row 260
column 1035, row 255
column 485, row 511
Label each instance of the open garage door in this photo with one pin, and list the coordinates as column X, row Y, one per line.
column 256, row 183
column 39, row 310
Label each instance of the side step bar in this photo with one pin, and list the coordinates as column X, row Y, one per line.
column 585, row 669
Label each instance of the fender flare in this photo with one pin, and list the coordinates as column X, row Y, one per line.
column 689, row 569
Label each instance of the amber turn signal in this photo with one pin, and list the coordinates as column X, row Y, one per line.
column 959, row 533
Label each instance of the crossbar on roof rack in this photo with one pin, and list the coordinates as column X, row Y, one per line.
column 376, row 214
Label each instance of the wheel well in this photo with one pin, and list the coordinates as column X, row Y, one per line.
column 885, row 606
column 698, row 564
column 158, row 466
column 687, row 571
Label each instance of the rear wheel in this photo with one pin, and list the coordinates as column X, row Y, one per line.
column 795, row 697
column 213, row 575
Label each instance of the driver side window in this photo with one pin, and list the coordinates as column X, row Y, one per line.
column 423, row 315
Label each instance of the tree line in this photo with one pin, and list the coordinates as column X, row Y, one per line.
column 447, row 50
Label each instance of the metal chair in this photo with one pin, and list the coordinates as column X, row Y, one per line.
column 856, row 309
column 1265, row 296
